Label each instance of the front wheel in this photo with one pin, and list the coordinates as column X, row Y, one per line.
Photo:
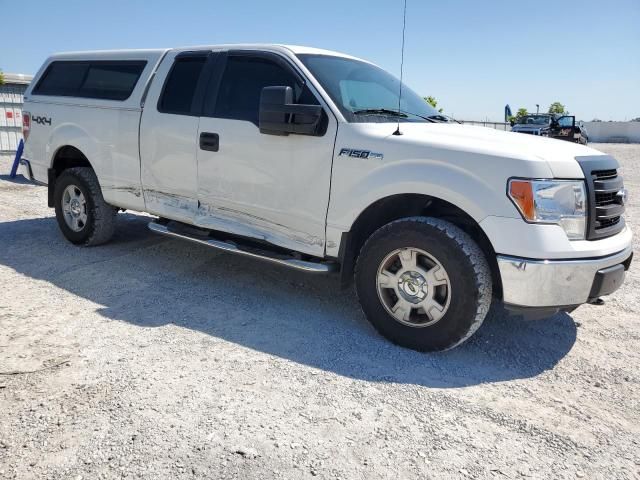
column 423, row 283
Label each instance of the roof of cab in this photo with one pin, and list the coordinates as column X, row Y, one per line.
column 131, row 53
column 107, row 54
column 296, row 49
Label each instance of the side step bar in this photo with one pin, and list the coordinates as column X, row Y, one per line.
column 295, row 263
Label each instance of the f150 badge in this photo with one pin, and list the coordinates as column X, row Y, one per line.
column 350, row 152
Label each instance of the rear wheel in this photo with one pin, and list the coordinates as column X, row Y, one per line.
column 82, row 214
column 423, row 283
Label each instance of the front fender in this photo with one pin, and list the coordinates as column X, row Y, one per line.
column 469, row 191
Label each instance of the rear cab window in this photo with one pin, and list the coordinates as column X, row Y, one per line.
column 105, row 80
column 179, row 90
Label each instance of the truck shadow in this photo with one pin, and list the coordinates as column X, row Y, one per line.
column 19, row 179
column 150, row 281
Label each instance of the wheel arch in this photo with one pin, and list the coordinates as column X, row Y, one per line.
column 395, row 207
column 70, row 146
column 64, row 157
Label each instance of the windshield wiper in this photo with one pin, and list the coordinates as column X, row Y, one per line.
column 380, row 111
column 439, row 118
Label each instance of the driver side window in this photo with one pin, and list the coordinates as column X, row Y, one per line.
column 565, row 122
column 242, row 82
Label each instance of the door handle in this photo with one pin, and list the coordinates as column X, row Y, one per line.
column 210, row 141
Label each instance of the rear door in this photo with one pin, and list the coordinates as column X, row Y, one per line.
column 169, row 135
column 270, row 187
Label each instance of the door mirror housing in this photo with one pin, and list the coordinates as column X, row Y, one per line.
column 278, row 114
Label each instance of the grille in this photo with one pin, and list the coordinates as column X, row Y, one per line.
column 605, row 198
column 608, row 207
column 605, row 174
column 607, row 222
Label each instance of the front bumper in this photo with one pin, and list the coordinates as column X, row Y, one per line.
column 530, row 131
column 561, row 283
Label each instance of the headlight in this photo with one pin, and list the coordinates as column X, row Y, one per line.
column 562, row 202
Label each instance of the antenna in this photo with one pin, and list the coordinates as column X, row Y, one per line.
column 404, row 25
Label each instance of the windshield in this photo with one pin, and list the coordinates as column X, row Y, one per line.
column 535, row 120
column 366, row 93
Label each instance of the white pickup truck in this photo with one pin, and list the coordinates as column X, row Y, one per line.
column 308, row 159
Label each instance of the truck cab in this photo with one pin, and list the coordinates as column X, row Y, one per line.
column 320, row 161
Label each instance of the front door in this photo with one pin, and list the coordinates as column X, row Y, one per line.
column 564, row 128
column 270, row 187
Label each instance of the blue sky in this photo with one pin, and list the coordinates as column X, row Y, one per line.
column 474, row 56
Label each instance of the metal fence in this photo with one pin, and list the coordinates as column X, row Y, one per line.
column 11, row 100
column 496, row 125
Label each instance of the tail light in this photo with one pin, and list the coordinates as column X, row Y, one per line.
column 26, row 125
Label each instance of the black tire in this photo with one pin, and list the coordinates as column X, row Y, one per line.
column 100, row 216
column 469, row 277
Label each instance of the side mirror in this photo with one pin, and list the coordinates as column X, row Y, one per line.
column 278, row 114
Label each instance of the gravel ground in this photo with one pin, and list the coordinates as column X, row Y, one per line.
column 155, row 358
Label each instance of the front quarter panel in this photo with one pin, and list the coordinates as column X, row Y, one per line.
column 473, row 179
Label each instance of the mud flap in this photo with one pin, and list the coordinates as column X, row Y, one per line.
column 347, row 260
column 51, row 186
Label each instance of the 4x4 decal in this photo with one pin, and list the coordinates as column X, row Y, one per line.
column 41, row 120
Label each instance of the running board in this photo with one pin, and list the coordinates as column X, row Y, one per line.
column 295, row 263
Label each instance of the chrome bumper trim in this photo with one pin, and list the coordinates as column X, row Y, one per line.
column 552, row 283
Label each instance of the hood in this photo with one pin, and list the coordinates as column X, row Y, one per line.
column 559, row 155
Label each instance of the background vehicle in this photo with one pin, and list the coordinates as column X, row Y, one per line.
column 582, row 134
column 562, row 127
column 301, row 157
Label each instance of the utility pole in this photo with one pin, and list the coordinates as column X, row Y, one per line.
column 537, row 108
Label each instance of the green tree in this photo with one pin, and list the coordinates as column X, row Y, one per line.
column 557, row 108
column 522, row 112
column 1, row 77
column 433, row 102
